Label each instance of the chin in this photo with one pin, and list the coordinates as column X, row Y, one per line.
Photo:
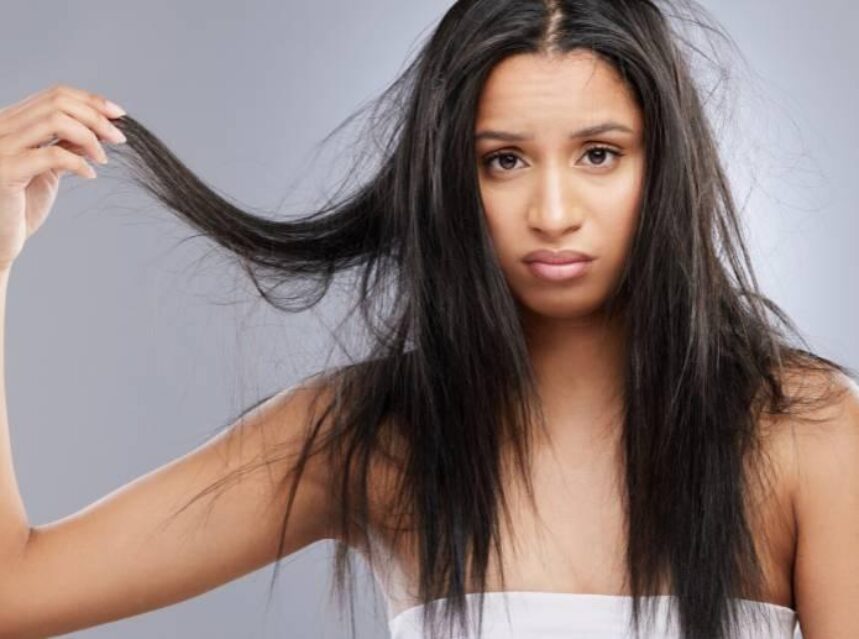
column 557, row 306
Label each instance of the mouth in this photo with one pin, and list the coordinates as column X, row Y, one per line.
column 558, row 266
column 557, row 257
column 559, row 271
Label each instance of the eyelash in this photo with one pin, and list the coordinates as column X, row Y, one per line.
column 497, row 154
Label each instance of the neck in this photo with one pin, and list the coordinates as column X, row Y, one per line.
column 579, row 367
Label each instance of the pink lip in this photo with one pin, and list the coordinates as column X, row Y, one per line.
column 557, row 257
column 556, row 266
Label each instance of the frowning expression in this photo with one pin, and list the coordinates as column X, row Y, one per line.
column 559, row 144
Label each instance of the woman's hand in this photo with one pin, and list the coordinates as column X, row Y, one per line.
column 41, row 138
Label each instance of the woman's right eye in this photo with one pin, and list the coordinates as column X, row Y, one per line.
column 487, row 161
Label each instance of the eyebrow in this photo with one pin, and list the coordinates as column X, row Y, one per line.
column 505, row 136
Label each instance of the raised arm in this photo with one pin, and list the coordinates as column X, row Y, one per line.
column 120, row 556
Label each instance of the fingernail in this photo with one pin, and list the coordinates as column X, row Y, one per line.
column 114, row 109
column 119, row 136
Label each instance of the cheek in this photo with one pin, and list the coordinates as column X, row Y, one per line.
column 614, row 213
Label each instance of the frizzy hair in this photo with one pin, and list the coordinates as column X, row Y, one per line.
column 446, row 394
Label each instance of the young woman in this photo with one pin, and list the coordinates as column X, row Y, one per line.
column 575, row 405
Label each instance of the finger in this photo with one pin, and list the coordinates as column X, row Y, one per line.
column 95, row 100
column 22, row 105
column 53, row 95
column 24, row 167
column 71, row 146
column 74, row 148
column 81, row 111
column 56, row 125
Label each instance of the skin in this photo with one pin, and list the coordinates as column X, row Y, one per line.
column 552, row 192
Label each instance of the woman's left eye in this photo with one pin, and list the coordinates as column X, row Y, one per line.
column 601, row 154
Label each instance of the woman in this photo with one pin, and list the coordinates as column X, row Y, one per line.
column 573, row 392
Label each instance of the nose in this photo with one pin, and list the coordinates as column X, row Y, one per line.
column 554, row 209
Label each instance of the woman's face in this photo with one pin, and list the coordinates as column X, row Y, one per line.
column 545, row 184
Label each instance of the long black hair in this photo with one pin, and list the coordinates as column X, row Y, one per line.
column 445, row 396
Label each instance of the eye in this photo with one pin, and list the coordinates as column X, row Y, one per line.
column 599, row 155
column 487, row 161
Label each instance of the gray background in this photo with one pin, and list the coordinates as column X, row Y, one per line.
column 126, row 348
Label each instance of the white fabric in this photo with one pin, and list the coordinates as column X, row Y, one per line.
column 550, row 615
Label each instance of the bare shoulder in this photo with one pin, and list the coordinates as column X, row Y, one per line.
column 823, row 404
column 824, row 474
column 316, row 402
column 821, row 422
column 292, row 438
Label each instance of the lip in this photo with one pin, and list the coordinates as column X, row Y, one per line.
column 558, row 266
column 557, row 257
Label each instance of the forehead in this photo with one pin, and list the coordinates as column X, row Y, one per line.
column 532, row 90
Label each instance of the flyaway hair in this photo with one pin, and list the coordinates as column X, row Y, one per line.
column 445, row 398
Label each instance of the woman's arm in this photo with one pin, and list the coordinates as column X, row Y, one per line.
column 826, row 566
column 14, row 526
column 119, row 557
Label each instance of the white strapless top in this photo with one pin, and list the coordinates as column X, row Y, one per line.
column 557, row 615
